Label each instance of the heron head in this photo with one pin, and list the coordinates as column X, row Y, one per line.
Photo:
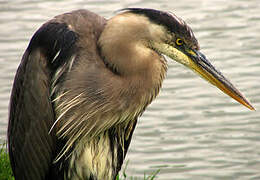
column 172, row 37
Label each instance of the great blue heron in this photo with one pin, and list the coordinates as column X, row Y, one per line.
column 82, row 84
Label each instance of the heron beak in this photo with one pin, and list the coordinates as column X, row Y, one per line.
column 196, row 61
column 199, row 63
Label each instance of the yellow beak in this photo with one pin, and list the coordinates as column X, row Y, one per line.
column 199, row 64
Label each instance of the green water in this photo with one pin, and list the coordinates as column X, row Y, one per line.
column 192, row 130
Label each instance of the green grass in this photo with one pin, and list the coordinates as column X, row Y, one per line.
column 124, row 176
column 6, row 171
column 5, row 167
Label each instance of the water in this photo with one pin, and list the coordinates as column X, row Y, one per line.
column 192, row 130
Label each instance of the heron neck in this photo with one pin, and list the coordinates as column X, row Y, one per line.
column 124, row 49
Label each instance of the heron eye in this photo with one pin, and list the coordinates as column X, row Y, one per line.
column 179, row 41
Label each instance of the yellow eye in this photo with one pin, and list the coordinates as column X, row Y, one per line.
column 179, row 41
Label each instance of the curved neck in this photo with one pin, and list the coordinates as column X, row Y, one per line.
column 124, row 45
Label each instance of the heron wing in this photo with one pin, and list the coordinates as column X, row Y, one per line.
column 32, row 148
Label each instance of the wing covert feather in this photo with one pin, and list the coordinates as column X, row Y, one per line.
column 32, row 148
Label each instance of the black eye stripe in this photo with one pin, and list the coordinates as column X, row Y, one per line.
column 173, row 24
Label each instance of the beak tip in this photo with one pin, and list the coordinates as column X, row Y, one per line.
column 252, row 108
column 249, row 105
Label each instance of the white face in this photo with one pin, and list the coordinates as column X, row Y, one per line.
column 171, row 51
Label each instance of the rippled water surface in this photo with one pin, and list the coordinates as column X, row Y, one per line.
column 192, row 130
